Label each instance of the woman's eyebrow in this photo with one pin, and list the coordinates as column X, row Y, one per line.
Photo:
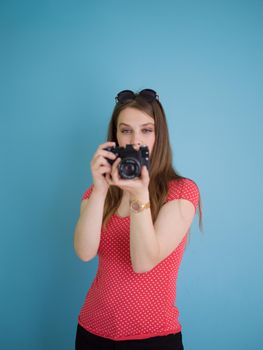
column 141, row 125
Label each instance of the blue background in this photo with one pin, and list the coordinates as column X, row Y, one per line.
column 62, row 63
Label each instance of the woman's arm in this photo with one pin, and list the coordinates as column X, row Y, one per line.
column 144, row 246
column 150, row 244
column 88, row 228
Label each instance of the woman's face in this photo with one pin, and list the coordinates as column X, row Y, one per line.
column 135, row 127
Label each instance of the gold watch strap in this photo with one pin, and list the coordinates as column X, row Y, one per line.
column 141, row 206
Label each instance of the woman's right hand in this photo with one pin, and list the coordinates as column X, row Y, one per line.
column 100, row 165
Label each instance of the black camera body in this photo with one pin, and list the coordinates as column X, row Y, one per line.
column 131, row 160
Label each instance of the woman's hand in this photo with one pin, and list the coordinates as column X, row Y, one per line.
column 137, row 187
column 100, row 166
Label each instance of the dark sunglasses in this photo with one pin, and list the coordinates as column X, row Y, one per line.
column 127, row 95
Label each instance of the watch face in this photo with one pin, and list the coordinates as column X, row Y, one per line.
column 135, row 206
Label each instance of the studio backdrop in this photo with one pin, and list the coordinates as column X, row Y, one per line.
column 62, row 64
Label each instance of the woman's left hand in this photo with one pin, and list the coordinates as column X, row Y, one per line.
column 137, row 187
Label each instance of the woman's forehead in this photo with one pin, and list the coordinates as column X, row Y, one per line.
column 133, row 116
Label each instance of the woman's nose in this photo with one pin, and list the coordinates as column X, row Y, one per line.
column 136, row 142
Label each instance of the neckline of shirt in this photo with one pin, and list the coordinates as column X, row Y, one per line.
column 121, row 217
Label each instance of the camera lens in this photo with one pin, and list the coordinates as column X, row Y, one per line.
column 129, row 168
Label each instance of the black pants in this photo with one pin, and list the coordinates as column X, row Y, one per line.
column 89, row 341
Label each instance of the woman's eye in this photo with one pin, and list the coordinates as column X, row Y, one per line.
column 144, row 130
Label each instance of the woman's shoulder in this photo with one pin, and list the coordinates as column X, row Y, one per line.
column 181, row 182
column 87, row 192
column 183, row 188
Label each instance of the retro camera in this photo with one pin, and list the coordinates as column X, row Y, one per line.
column 131, row 160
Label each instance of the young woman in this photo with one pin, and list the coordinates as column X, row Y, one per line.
column 139, row 228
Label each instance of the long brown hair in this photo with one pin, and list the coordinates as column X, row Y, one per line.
column 161, row 169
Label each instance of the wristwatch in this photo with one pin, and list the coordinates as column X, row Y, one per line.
column 136, row 206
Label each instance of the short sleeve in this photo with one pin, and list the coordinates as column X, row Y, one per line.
column 87, row 192
column 184, row 189
column 190, row 191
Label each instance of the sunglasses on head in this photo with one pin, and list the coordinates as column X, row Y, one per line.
column 127, row 95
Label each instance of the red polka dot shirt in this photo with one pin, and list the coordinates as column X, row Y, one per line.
column 122, row 304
